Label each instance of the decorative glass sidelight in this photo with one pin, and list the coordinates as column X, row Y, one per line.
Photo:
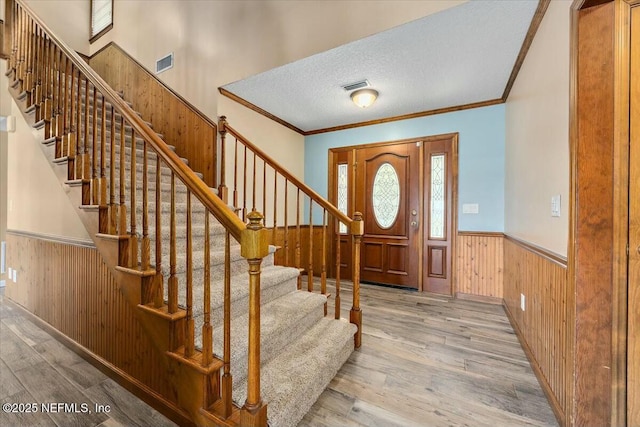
column 343, row 192
column 386, row 195
column 438, row 186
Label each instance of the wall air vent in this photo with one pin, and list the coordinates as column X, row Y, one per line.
column 356, row 85
column 163, row 64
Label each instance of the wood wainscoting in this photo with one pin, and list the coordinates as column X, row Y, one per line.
column 192, row 133
column 69, row 287
column 479, row 266
column 543, row 326
column 287, row 255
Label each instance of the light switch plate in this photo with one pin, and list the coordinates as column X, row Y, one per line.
column 555, row 206
column 470, row 208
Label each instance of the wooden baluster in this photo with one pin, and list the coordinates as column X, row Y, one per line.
column 355, row 316
column 37, row 79
column 173, row 280
column 235, row 175
column 103, row 210
column 286, row 222
column 113, row 214
column 159, row 301
column 134, row 233
column 86, row 160
column 244, row 187
column 15, row 27
column 146, row 243
column 253, row 183
column 310, row 268
column 207, row 330
column 65, row 107
column 34, row 66
column 264, row 189
column 298, row 254
column 71, row 140
column 52, row 90
column 42, row 70
column 323, row 270
column 103, row 154
column 227, row 382
column 28, row 79
column 222, row 189
column 58, row 115
column 94, row 150
column 28, row 73
column 255, row 246
column 122, row 227
column 21, row 49
column 77, row 172
column 337, row 246
column 189, row 335
column 275, row 205
column 48, row 91
column 13, row 22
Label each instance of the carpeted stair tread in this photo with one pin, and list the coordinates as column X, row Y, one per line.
column 275, row 281
column 281, row 321
column 292, row 381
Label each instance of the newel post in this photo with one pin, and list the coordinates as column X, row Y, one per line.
column 254, row 247
column 222, row 188
column 355, row 316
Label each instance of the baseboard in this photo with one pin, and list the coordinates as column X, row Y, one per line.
column 140, row 390
column 553, row 402
column 479, row 298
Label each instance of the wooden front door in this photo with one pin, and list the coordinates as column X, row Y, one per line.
column 387, row 194
column 406, row 191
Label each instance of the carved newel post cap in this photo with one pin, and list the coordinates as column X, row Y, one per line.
column 255, row 220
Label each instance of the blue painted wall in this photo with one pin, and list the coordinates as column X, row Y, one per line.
column 481, row 157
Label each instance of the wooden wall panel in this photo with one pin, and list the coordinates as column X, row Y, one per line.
column 479, row 264
column 193, row 134
column 306, row 244
column 543, row 325
column 70, row 288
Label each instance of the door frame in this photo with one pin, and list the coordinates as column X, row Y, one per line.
column 454, row 137
column 613, row 90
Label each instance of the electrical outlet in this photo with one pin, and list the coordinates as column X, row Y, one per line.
column 522, row 301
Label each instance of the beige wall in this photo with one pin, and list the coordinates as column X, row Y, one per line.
column 537, row 137
column 36, row 201
column 218, row 42
column 68, row 19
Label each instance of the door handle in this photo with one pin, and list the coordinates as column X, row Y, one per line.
column 414, row 224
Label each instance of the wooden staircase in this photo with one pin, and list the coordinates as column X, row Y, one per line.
column 237, row 331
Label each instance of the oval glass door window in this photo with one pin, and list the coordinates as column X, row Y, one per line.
column 386, row 195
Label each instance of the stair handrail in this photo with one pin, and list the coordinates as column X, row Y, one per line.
column 224, row 127
column 29, row 35
column 214, row 204
column 354, row 227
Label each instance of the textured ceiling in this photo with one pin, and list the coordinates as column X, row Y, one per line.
column 459, row 56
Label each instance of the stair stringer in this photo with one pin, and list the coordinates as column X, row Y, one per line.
column 192, row 385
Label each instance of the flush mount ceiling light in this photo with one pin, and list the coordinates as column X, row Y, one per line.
column 363, row 98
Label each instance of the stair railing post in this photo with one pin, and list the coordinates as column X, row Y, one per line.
column 223, row 192
column 254, row 247
column 355, row 316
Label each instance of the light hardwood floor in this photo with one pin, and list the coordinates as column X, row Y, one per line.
column 425, row 361
column 37, row 369
column 428, row 360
